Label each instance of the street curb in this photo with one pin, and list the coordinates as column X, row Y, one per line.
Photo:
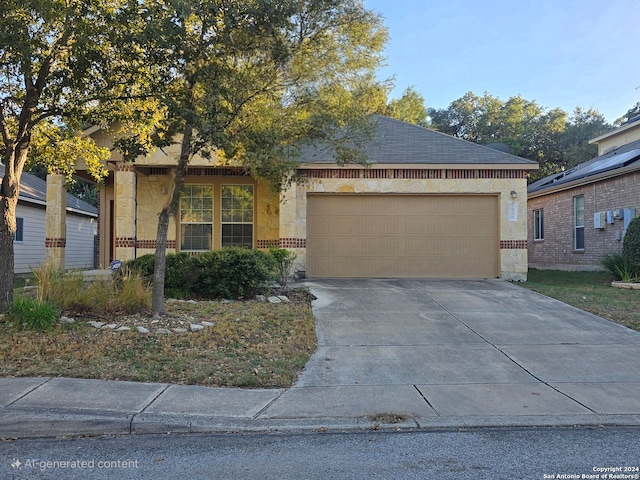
column 24, row 424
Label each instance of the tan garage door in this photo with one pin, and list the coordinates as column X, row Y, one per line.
column 438, row 236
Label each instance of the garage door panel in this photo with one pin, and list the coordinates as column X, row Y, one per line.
column 447, row 236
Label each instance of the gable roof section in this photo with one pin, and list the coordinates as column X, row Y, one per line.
column 617, row 162
column 34, row 190
column 396, row 142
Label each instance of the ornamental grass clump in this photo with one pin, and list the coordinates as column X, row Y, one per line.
column 33, row 314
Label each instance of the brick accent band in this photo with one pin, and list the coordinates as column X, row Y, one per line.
column 125, row 167
column 55, row 242
column 513, row 244
column 411, row 173
column 126, row 242
column 283, row 243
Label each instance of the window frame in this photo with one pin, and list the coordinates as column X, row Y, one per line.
column 253, row 214
column 578, row 228
column 18, row 235
column 217, row 188
column 184, row 224
column 538, row 224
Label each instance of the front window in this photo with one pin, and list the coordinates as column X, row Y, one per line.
column 196, row 217
column 578, row 222
column 237, row 216
column 538, row 224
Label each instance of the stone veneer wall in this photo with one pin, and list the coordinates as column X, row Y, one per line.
column 152, row 193
column 513, row 235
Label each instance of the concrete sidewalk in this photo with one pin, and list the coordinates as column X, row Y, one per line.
column 392, row 354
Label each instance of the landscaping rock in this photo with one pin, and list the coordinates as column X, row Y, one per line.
column 274, row 300
column 180, row 330
column 196, row 327
column 283, row 298
column 261, row 298
column 95, row 324
column 123, row 329
column 66, row 320
column 142, row 330
column 163, row 331
column 207, row 324
column 111, row 326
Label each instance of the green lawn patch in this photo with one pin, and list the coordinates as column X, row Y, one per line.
column 589, row 291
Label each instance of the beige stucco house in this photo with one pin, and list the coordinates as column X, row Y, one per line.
column 428, row 205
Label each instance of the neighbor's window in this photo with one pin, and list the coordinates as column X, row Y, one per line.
column 578, row 223
column 538, row 224
column 237, row 216
column 196, row 217
column 19, row 235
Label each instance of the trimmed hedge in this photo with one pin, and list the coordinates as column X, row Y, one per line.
column 230, row 272
column 631, row 243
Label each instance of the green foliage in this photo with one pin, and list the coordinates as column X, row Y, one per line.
column 284, row 264
column 631, row 243
column 620, row 266
column 181, row 274
column 408, row 108
column 550, row 137
column 233, row 272
column 33, row 314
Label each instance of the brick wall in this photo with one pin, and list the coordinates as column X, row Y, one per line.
column 557, row 246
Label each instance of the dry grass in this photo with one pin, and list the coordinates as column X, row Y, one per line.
column 252, row 344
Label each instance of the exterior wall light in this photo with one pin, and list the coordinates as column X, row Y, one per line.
column 514, row 194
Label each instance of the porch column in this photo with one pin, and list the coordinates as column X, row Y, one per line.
column 56, row 222
column 125, row 212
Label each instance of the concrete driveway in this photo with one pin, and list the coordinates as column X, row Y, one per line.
column 428, row 349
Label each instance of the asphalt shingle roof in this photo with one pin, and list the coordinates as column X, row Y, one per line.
column 397, row 142
column 34, row 189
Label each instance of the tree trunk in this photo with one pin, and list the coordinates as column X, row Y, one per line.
column 14, row 160
column 157, row 292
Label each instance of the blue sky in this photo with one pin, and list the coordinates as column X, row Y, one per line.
column 560, row 53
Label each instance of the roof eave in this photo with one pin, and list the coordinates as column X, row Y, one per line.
column 584, row 181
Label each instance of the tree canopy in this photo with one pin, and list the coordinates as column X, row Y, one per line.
column 553, row 138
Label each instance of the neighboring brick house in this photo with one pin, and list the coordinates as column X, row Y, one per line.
column 428, row 205
column 578, row 216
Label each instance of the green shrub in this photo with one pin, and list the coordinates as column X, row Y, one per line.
column 631, row 243
column 33, row 314
column 233, row 272
column 180, row 274
column 284, row 264
column 144, row 265
column 620, row 266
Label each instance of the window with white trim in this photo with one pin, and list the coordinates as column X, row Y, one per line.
column 237, row 215
column 578, row 222
column 538, row 224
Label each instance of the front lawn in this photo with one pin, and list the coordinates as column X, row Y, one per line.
column 589, row 291
column 250, row 344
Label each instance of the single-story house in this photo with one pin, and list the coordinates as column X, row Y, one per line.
column 580, row 215
column 427, row 205
column 30, row 241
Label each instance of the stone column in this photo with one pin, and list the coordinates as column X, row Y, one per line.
column 125, row 211
column 56, row 222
